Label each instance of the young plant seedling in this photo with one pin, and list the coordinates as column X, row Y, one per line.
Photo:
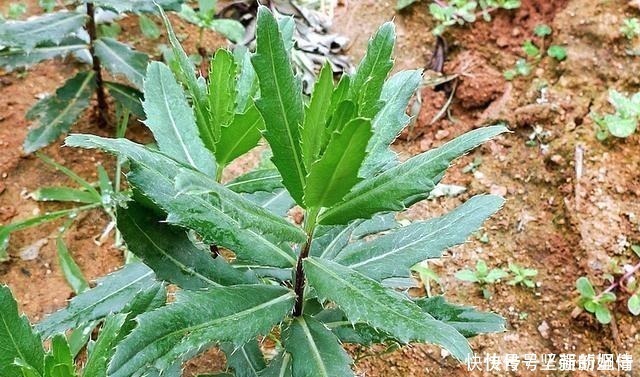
column 630, row 28
column 459, row 12
column 204, row 17
column 534, row 53
column 522, row 276
column 594, row 303
column 310, row 287
column 61, row 33
column 624, row 121
column 482, row 276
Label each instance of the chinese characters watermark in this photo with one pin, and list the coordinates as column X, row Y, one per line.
column 549, row 361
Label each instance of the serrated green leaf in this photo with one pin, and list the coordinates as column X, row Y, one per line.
column 344, row 113
column 52, row 27
column 104, row 347
column 64, row 194
column 229, row 28
column 329, row 240
column 59, row 361
column 247, row 360
column 280, row 366
column 138, row 6
column 315, row 351
column 377, row 224
column 279, row 201
column 120, row 59
column 80, row 336
column 186, row 74
column 222, row 91
column 390, row 120
column 468, row 321
column 128, row 97
column 240, row 136
column 365, row 300
column 348, row 332
column 401, row 186
column 56, row 113
column 280, row 103
column 154, row 172
column 171, row 120
column 15, row 57
column 393, row 254
column 146, row 300
column 111, row 294
column 170, row 253
column 17, row 338
column 316, row 116
column 257, row 180
column 372, row 71
column 70, row 270
column 196, row 320
column 246, row 83
column 336, row 172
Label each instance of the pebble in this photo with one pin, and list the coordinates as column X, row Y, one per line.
column 32, row 251
column 441, row 134
column 543, row 329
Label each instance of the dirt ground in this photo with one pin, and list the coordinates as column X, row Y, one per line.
column 572, row 202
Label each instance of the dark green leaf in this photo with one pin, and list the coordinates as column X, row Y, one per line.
column 111, row 294
column 17, row 338
column 222, row 91
column 407, row 183
column 64, row 194
column 104, row 347
column 336, row 172
column 279, row 201
column 329, row 240
column 393, row 254
column 138, row 6
column 53, row 27
column 280, row 366
column 59, row 361
column 239, row 137
column 468, row 321
column 280, row 103
column 196, row 320
column 316, row 116
column 348, row 332
column 247, row 360
column 365, row 300
column 15, row 57
column 56, row 114
column 170, row 253
column 128, row 97
column 315, row 351
column 120, row 59
column 171, row 120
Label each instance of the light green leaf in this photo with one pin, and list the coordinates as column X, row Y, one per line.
column 70, row 270
column 315, row 351
column 257, row 180
column 229, row 28
column 468, row 321
column 620, row 126
column 402, row 4
column 247, row 360
column 222, row 91
column 64, row 194
column 170, row 253
column 603, row 315
column 239, row 137
column 585, row 288
column 15, row 57
column 59, row 361
column 198, row 319
column 17, row 339
column 365, row 300
column 467, row 275
column 148, row 27
column 634, row 304
column 246, row 83
column 111, row 294
column 280, row 103
column 52, row 27
column 401, row 186
column 56, row 114
column 80, row 336
column 393, row 254
column 120, row 59
column 280, row 366
column 390, row 120
column 369, row 78
column 104, row 347
column 171, row 120
column 316, row 116
column 336, row 172
column 128, row 97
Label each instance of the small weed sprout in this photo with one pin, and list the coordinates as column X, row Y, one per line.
column 482, row 275
column 630, row 28
column 459, row 12
column 594, row 303
column 534, row 53
column 522, row 276
column 623, row 122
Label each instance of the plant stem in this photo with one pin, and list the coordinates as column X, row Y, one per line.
column 299, row 284
column 97, row 68
column 620, row 282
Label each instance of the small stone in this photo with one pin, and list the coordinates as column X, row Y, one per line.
column 441, row 134
column 498, row 190
column 32, row 251
column 557, row 159
column 543, row 329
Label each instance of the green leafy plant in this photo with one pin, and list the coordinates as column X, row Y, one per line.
column 630, row 28
column 624, row 121
column 535, row 52
column 459, row 12
column 594, row 303
column 242, row 269
column 61, row 33
column 16, row 10
column 522, row 276
column 482, row 275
